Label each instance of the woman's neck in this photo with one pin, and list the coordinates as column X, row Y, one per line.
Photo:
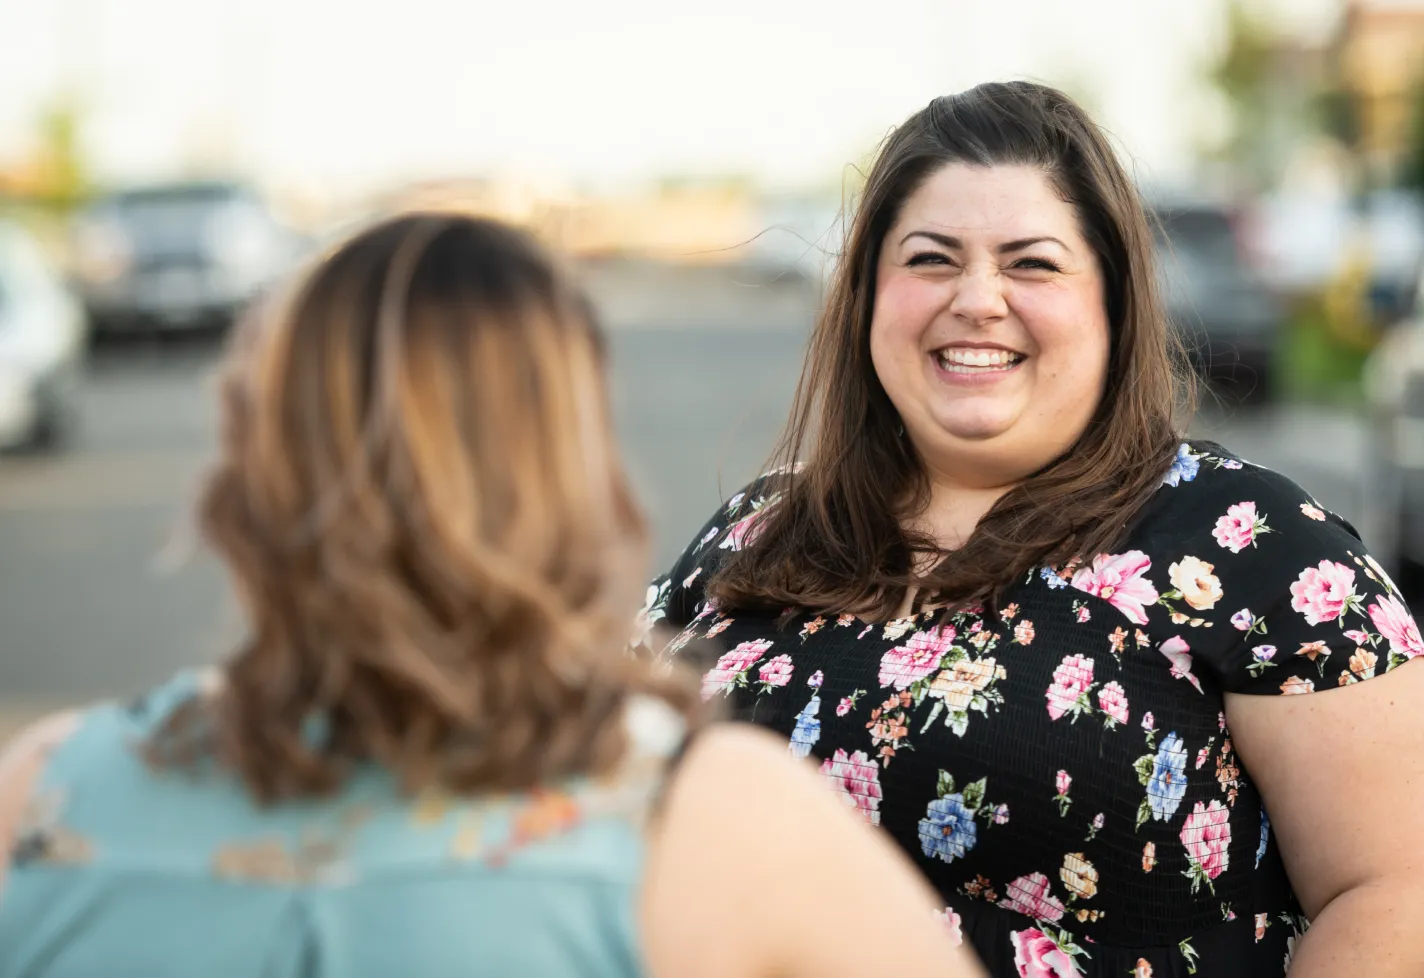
column 952, row 511
column 948, row 518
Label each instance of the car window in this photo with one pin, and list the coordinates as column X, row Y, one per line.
column 173, row 219
column 1200, row 236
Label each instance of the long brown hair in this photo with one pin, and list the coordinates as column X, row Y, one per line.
column 836, row 538
column 422, row 506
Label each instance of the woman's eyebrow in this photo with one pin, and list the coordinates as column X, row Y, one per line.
column 949, row 241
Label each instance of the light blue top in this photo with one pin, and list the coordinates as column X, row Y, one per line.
column 120, row 870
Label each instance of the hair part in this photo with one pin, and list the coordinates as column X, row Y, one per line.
column 421, row 503
column 837, row 539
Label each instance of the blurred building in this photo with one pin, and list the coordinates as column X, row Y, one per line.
column 700, row 224
column 1380, row 54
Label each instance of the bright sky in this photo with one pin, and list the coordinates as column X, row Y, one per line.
column 343, row 93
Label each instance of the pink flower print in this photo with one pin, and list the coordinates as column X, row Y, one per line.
column 1395, row 623
column 709, row 537
column 720, row 627
column 1084, row 614
column 1001, row 815
column 951, row 922
column 1206, row 833
column 732, row 668
column 777, row 672
column 1359, row 637
column 817, row 678
column 1120, row 580
column 1314, row 512
column 745, row 531
column 1112, row 700
column 1029, row 896
column 844, row 706
column 1063, row 781
column 1149, row 722
column 1295, row 686
column 1243, row 620
column 917, row 659
column 1038, row 956
column 1023, row 632
column 1071, row 681
column 856, row 779
column 1322, row 593
column 1237, row 529
column 1179, row 654
column 1203, row 755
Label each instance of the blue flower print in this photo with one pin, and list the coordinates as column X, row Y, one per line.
column 808, row 729
column 1169, row 778
column 1184, row 467
column 1265, row 836
column 948, row 830
column 1054, row 581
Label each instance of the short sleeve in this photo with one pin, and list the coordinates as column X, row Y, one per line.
column 676, row 598
column 1270, row 591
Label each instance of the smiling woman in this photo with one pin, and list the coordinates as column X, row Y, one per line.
column 1057, row 634
column 989, row 324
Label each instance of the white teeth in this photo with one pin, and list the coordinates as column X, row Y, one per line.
column 959, row 360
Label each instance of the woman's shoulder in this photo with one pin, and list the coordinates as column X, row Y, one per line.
column 677, row 595
column 1208, row 484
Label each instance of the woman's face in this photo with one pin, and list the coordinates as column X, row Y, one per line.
column 990, row 330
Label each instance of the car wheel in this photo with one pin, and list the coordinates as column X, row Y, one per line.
column 55, row 421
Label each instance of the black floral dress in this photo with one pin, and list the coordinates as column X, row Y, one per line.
column 1063, row 772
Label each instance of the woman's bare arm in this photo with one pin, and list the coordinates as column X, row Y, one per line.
column 756, row 869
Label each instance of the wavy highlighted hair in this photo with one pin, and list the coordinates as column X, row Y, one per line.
column 421, row 503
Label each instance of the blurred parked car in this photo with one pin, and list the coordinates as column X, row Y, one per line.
column 1393, row 382
column 1228, row 317
column 42, row 340
column 177, row 256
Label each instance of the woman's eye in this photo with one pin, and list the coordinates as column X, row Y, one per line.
column 928, row 258
column 1037, row 265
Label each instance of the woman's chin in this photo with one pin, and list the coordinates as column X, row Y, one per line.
column 976, row 427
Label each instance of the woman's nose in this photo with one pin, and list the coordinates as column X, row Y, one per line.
column 979, row 295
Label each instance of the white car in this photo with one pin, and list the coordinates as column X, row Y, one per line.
column 172, row 257
column 1394, row 391
column 42, row 341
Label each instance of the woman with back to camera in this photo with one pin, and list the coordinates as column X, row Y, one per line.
column 1045, row 637
column 431, row 757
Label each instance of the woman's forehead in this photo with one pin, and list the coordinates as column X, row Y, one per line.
column 973, row 202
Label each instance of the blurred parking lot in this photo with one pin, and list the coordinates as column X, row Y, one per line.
column 102, row 593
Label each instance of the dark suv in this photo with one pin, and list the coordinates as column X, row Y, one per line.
column 1226, row 314
column 177, row 256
